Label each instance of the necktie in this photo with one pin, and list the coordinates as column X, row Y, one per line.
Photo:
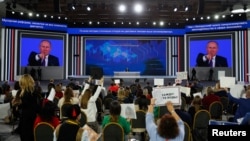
column 43, row 62
column 210, row 63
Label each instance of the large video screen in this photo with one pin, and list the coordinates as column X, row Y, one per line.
column 198, row 49
column 30, row 48
column 147, row 56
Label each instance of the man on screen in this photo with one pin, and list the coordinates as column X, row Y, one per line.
column 44, row 58
column 211, row 59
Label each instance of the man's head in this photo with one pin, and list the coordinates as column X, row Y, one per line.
column 45, row 47
column 212, row 48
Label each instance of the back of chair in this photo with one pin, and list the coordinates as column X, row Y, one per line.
column 216, row 110
column 83, row 119
column 188, row 134
column 63, row 110
column 200, row 125
column 113, row 132
column 201, row 119
column 139, row 124
column 43, row 132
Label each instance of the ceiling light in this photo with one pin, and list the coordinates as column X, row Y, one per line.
column 186, row 8
column 138, row 8
column 122, row 8
column 175, row 9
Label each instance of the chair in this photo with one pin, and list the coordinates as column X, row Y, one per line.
column 188, row 134
column 83, row 120
column 138, row 125
column 200, row 125
column 43, row 132
column 216, row 110
column 63, row 110
column 113, row 132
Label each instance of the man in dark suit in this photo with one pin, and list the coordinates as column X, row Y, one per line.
column 211, row 59
column 44, row 58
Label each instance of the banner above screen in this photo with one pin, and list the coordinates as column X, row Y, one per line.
column 28, row 24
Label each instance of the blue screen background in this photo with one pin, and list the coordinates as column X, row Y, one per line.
column 146, row 56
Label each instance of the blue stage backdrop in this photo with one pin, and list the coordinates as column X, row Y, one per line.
column 147, row 56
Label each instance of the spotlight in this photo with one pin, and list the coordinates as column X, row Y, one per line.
column 186, row 8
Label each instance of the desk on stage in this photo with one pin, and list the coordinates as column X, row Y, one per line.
column 126, row 73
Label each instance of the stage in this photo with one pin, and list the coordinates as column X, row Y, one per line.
column 128, row 79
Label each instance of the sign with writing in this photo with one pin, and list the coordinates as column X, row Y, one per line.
column 181, row 75
column 164, row 94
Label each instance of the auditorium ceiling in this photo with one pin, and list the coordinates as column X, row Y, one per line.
column 106, row 11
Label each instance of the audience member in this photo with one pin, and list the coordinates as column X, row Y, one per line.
column 29, row 107
column 196, row 105
column 59, row 91
column 243, row 105
column 47, row 114
column 209, row 98
column 88, row 104
column 170, row 127
column 115, row 111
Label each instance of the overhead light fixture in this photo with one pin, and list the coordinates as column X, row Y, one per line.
column 186, row 8
column 175, row 9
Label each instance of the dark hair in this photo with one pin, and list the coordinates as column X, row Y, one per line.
column 48, row 110
column 16, row 85
column 73, row 111
column 114, row 110
column 168, row 127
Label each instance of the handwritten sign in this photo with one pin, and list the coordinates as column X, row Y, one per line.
column 128, row 111
column 164, row 94
column 181, row 75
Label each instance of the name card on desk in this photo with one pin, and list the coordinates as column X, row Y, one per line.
column 164, row 94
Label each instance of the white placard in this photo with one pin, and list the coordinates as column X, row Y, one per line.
column 181, row 75
column 76, row 93
column 117, row 81
column 185, row 90
column 178, row 81
column 128, row 111
column 52, row 94
column 221, row 74
column 14, row 92
column 4, row 110
column 158, row 82
column 198, row 93
column 237, row 90
column 226, row 82
column 164, row 94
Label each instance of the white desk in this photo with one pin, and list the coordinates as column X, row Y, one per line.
column 126, row 73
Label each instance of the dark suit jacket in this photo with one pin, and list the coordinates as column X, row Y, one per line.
column 219, row 61
column 52, row 60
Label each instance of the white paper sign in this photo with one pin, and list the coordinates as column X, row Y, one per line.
column 181, row 75
column 4, row 110
column 164, row 94
column 51, row 94
column 185, row 90
column 237, row 90
column 117, row 81
column 128, row 111
column 198, row 93
column 178, row 81
column 226, row 82
column 158, row 82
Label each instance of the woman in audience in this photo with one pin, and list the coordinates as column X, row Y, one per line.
column 68, row 97
column 121, row 95
column 209, row 98
column 47, row 114
column 196, row 105
column 243, row 105
column 115, row 111
column 58, row 89
column 170, row 126
column 29, row 107
column 70, row 129
column 88, row 105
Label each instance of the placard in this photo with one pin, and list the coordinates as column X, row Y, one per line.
column 52, row 94
column 237, row 91
column 128, row 111
column 117, row 81
column 226, row 82
column 185, row 90
column 181, row 75
column 164, row 94
column 158, row 82
column 198, row 93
